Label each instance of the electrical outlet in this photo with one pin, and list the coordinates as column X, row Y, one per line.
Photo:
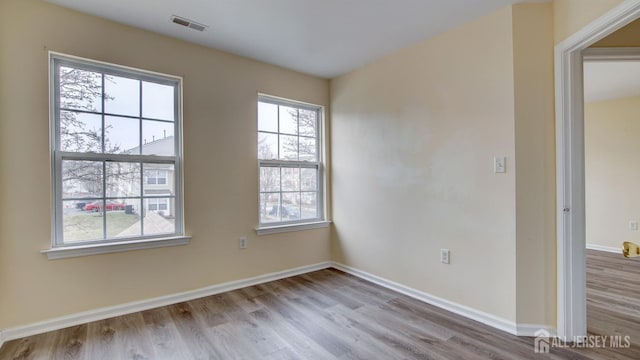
column 444, row 256
column 633, row 225
column 243, row 242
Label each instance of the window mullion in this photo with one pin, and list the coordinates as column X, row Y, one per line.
column 141, row 136
column 141, row 211
column 278, row 132
column 119, row 157
column 104, row 201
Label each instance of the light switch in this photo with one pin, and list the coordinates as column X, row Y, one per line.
column 499, row 164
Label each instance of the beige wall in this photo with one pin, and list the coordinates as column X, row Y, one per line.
column 413, row 139
column 569, row 16
column 535, row 163
column 628, row 36
column 612, row 172
column 220, row 168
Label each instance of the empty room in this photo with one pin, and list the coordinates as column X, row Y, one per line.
column 298, row 179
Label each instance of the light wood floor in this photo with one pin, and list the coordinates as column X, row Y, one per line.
column 324, row 315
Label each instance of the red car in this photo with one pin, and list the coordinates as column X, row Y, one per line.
column 111, row 205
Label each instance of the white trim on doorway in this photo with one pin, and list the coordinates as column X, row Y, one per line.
column 571, row 271
column 611, row 54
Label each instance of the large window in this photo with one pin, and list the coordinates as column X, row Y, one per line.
column 290, row 162
column 116, row 152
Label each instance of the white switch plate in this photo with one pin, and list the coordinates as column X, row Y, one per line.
column 243, row 242
column 633, row 225
column 445, row 255
column 499, row 164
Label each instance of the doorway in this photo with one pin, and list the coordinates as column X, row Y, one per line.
column 612, row 195
column 570, row 168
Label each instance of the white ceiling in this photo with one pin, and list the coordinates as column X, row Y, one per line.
column 325, row 38
column 606, row 80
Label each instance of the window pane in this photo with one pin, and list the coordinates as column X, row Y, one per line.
column 290, row 179
column 267, row 146
column 81, row 179
column 290, row 206
column 269, row 178
column 288, row 120
column 309, row 204
column 122, row 218
column 308, row 122
column 288, row 147
column 158, row 101
column 157, row 138
column 159, row 216
column 122, row 135
column 309, row 179
column 123, row 179
column 121, row 96
column 79, row 225
column 308, row 151
column 80, row 132
column 269, row 205
column 267, row 117
column 80, row 89
column 159, row 179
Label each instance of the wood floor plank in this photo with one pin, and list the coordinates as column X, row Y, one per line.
column 192, row 332
column 330, row 342
column 329, row 314
column 301, row 345
column 22, row 349
column 132, row 338
column 102, row 340
column 164, row 335
column 70, row 344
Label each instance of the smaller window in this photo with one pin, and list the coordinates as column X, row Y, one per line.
column 289, row 161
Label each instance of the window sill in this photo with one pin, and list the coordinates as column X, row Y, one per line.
column 105, row 248
column 266, row 230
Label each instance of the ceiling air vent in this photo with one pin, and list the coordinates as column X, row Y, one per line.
column 188, row 23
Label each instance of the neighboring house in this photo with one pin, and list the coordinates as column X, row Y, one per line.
column 159, row 179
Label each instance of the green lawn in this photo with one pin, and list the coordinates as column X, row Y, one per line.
column 88, row 226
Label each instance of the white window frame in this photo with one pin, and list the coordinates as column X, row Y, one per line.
column 60, row 249
column 319, row 164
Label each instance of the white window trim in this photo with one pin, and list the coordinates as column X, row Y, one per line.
column 267, row 230
column 113, row 247
column 304, row 224
column 59, row 249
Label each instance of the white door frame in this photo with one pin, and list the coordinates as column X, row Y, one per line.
column 570, row 198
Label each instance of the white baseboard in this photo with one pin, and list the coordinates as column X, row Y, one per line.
column 611, row 249
column 532, row 329
column 132, row 307
column 468, row 312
